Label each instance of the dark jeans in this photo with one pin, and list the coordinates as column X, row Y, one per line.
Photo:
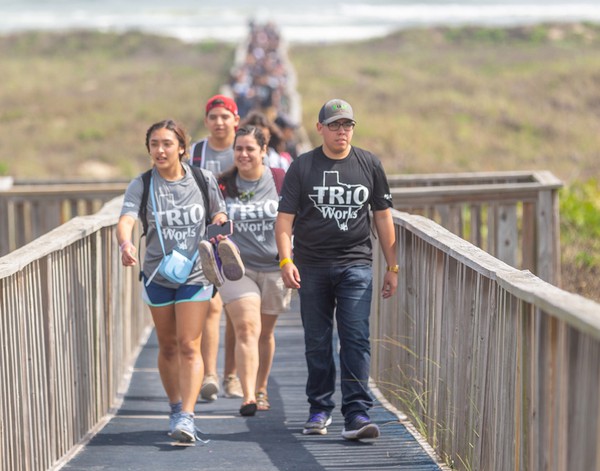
column 347, row 291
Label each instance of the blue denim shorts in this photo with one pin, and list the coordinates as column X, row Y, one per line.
column 156, row 295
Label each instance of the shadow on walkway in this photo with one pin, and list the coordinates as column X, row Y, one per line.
column 136, row 438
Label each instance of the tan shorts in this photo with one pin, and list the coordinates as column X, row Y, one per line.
column 274, row 297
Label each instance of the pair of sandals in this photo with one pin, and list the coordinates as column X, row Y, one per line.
column 261, row 404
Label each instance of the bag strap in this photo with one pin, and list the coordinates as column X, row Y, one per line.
column 162, row 244
column 159, row 232
column 143, row 212
column 278, row 176
column 201, row 181
column 198, row 153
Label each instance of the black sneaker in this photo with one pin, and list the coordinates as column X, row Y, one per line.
column 317, row 423
column 359, row 427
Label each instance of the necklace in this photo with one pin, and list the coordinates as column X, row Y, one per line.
column 249, row 188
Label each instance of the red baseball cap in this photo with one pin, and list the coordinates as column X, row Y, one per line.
column 222, row 101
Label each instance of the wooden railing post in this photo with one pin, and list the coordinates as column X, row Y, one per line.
column 495, row 367
column 548, row 230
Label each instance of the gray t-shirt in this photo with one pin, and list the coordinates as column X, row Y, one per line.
column 216, row 161
column 253, row 214
column 180, row 207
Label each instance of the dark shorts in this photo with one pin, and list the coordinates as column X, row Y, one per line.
column 156, row 295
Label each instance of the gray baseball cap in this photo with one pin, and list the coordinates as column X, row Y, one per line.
column 335, row 109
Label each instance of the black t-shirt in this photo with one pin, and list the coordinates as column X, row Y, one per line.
column 331, row 200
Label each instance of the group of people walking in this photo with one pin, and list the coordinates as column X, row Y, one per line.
column 307, row 229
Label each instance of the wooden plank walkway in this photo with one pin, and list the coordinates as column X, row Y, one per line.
column 135, row 438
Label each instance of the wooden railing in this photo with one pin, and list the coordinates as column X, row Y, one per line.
column 511, row 215
column 31, row 209
column 71, row 323
column 496, row 368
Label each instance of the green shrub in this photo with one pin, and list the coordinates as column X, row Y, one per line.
column 580, row 222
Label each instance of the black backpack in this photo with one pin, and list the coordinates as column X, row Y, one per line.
column 200, row 180
column 196, row 154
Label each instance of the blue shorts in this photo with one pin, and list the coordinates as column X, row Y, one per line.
column 156, row 295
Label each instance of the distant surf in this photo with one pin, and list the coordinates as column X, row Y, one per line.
column 306, row 21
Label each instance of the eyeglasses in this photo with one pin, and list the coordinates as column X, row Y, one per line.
column 336, row 125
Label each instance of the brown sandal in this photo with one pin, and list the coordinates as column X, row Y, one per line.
column 262, row 401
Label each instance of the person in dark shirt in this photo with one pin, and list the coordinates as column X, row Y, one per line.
column 325, row 202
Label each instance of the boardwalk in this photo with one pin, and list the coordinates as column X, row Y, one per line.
column 135, row 439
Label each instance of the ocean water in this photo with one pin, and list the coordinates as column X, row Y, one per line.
column 299, row 20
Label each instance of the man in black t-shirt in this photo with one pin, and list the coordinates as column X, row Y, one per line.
column 324, row 204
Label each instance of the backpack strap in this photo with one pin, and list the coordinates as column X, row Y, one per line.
column 198, row 153
column 278, row 176
column 143, row 212
column 201, row 181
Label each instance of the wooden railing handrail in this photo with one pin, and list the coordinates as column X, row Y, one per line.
column 60, row 237
column 541, row 177
column 71, row 323
column 495, row 367
column 64, row 188
column 575, row 310
column 512, row 215
column 484, row 192
column 464, row 329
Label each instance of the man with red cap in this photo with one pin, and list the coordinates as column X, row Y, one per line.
column 221, row 119
column 215, row 153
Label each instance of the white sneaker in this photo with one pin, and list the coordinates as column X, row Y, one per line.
column 210, row 388
column 233, row 387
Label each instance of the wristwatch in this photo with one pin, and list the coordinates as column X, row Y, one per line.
column 393, row 268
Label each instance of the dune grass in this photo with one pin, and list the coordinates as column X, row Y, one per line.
column 68, row 100
column 467, row 99
column 478, row 99
column 426, row 100
column 440, row 99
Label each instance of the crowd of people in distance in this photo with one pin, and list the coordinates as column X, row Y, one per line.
column 260, row 84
